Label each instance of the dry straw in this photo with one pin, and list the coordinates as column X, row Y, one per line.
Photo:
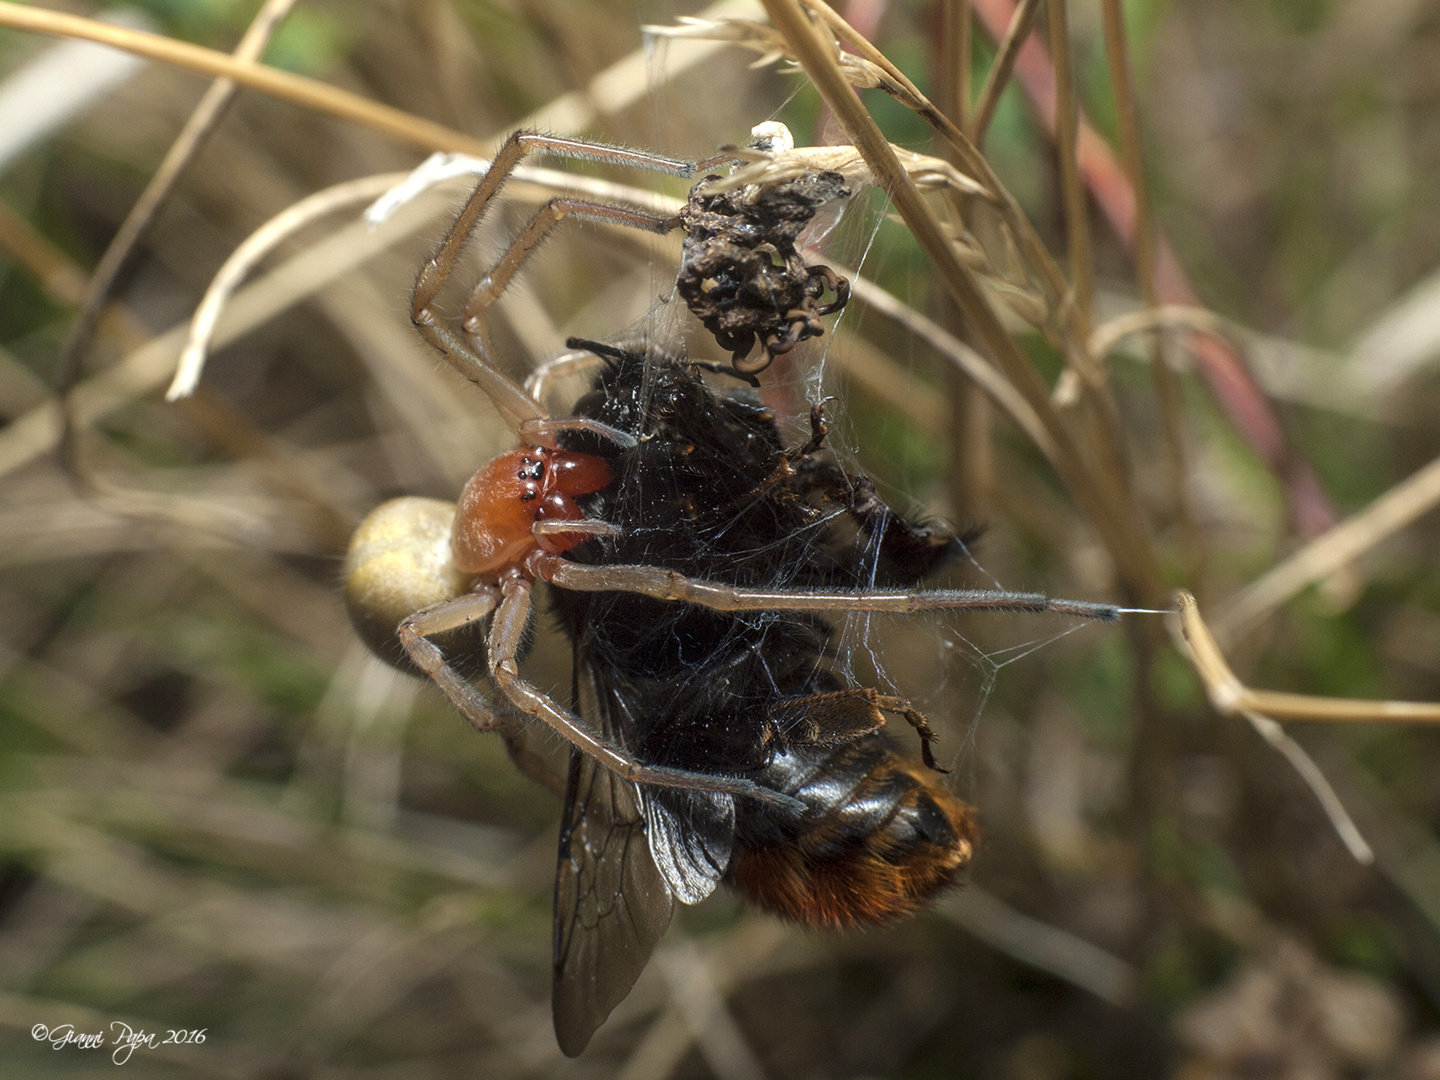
column 114, row 850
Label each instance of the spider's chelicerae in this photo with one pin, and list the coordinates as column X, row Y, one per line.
column 693, row 559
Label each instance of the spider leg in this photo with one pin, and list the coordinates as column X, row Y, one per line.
column 584, row 525
column 441, row 264
column 506, row 631
column 725, row 157
column 548, row 372
column 473, row 359
column 556, row 210
column 542, row 431
column 475, row 364
column 415, row 631
column 670, row 585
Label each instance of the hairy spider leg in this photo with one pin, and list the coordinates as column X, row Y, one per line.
column 509, row 604
column 451, row 614
column 495, row 281
column 541, row 381
column 507, row 629
column 670, row 585
column 471, row 354
column 541, row 430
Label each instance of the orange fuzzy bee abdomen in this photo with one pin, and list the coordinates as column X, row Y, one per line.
column 882, row 849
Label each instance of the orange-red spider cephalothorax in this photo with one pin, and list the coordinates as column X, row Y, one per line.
column 494, row 525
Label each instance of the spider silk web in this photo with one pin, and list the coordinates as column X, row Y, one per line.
column 950, row 665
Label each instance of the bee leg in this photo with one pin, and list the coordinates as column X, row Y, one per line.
column 506, row 631
column 819, row 429
column 791, row 459
column 846, row 715
column 830, row 719
column 916, row 719
column 914, row 550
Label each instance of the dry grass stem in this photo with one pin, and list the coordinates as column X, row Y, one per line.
column 967, row 152
column 1167, row 390
column 147, row 368
column 613, row 89
column 297, row 90
column 534, row 184
column 928, row 173
column 1045, row 947
column 1261, row 708
column 208, row 113
column 966, row 360
column 955, row 62
column 1072, row 187
column 870, row 68
column 1108, row 335
column 1331, row 552
column 248, row 255
column 218, row 809
column 748, row 950
column 1099, row 492
column 1232, row 697
column 997, row 78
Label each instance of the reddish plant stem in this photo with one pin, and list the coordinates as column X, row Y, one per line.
column 1222, row 367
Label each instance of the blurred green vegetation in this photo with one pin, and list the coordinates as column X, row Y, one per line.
column 218, row 812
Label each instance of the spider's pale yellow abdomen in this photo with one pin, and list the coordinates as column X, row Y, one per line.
column 399, row 562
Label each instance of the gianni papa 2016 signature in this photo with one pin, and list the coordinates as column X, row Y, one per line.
column 123, row 1038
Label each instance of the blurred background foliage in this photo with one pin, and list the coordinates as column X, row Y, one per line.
column 218, row 813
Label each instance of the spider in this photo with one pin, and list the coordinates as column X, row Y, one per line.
column 692, row 559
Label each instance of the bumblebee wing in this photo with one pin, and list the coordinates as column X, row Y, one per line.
column 691, row 836
column 611, row 903
column 691, row 832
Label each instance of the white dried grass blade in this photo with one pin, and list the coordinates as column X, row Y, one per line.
column 150, row 365
column 1042, row 946
column 244, row 259
column 61, row 83
column 1401, row 342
